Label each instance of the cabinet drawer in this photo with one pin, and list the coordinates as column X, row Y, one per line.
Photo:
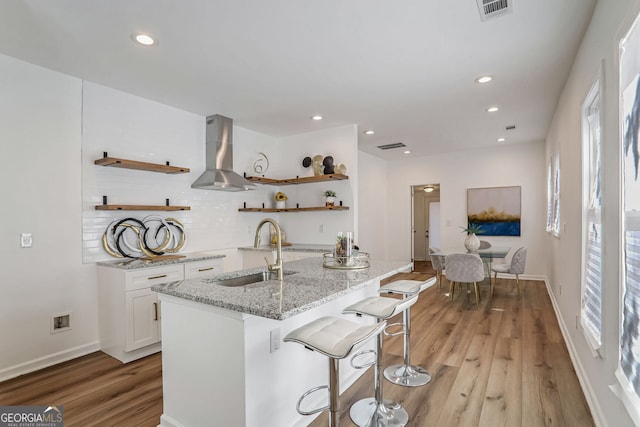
column 148, row 277
column 197, row 269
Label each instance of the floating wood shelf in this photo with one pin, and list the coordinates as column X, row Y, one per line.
column 143, row 166
column 141, row 208
column 303, row 180
column 313, row 208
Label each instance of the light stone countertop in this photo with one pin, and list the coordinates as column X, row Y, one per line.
column 298, row 247
column 307, row 285
column 134, row 263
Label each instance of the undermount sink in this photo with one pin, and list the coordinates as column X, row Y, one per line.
column 249, row 279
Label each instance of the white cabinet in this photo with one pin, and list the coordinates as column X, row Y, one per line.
column 296, row 255
column 129, row 312
column 143, row 316
column 197, row 269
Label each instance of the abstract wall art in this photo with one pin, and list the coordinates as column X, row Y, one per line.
column 495, row 211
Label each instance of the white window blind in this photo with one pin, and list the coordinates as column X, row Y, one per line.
column 591, row 307
column 549, row 195
column 628, row 372
column 553, row 205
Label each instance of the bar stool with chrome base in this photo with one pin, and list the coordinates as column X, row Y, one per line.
column 335, row 338
column 375, row 411
column 406, row 374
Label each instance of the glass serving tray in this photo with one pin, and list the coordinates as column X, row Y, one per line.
column 353, row 262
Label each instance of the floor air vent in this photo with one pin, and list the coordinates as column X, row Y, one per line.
column 493, row 8
column 390, row 146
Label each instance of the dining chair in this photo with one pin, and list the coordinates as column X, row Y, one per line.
column 516, row 267
column 464, row 268
column 437, row 263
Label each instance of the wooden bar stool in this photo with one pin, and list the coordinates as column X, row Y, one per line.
column 406, row 374
column 375, row 411
column 335, row 338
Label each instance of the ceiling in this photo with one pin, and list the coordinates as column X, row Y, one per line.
column 403, row 68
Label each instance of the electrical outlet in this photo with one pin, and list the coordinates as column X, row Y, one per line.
column 26, row 240
column 321, row 228
column 60, row 322
column 560, row 289
column 274, row 337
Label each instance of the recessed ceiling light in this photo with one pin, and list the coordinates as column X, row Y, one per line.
column 144, row 39
column 316, row 117
column 484, row 79
column 501, row 140
column 407, row 152
column 369, row 132
column 492, row 109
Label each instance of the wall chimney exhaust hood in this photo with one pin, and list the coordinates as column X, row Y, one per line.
column 219, row 174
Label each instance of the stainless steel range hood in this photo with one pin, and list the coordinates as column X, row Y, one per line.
column 219, row 174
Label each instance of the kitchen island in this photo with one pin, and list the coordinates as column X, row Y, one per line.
column 224, row 362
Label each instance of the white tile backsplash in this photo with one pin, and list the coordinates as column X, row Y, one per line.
column 133, row 128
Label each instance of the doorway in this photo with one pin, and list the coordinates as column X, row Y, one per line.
column 425, row 227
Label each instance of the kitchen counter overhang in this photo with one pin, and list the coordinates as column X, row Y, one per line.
column 307, row 284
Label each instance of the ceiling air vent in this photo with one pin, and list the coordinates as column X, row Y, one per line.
column 390, row 146
column 493, row 8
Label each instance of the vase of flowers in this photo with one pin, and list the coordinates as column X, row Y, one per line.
column 330, row 198
column 471, row 242
column 280, row 198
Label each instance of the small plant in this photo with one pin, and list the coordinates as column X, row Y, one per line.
column 280, row 196
column 329, row 193
column 472, row 229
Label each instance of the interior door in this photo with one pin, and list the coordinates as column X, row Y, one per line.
column 425, row 220
column 419, row 227
column 434, row 225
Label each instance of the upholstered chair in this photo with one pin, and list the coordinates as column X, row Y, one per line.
column 437, row 263
column 515, row 267
column 464, row 268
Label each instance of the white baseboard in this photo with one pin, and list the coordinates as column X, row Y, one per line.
column 583, row 378
column 49, row 360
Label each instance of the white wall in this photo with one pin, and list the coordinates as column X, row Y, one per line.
column 40, row 179
column 134, row 128
column 304, row 227
column 610, row 21
column 52, row 129
column 506, row 165
column 372, row 196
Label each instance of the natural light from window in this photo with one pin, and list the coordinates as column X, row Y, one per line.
column 591, row 290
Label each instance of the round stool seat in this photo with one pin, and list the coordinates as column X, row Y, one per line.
column 403, row 287
column 332, row 336
column 380, row 307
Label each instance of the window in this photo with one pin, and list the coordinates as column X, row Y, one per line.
column 591, row 306
column 553, row 196
column 628, row 372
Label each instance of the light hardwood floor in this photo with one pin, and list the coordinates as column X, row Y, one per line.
column 501, row 364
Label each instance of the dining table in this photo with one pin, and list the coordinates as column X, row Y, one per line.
column 487, row 255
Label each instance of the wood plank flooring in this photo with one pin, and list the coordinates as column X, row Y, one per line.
column 503, row 363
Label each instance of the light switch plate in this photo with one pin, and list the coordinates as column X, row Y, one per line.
column 26, row 240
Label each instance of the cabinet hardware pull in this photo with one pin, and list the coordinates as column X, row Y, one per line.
column 206, row 269
column 155, row 311
column 156, row 277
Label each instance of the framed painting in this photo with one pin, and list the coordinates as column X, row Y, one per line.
column 494, row 211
